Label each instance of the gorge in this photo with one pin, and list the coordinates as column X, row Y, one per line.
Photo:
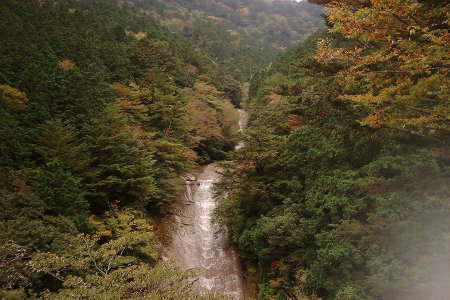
column 126, row 173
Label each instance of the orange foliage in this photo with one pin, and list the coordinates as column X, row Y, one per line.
column 66, row 64
column 274, row 98
column 209, row 112
column 399, row 54
column 294, row 122
column 192, row 69
column 20, row 185
column 130, row 101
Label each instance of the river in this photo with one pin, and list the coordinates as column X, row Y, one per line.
column 197, row 242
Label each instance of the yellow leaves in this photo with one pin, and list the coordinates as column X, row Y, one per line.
column 202, row 119
column 131, row 101
column 442, row 39
column 299, row 290
column 406, row 104
column 12, row 97
column 144, row 136
column 384, row 94
column 401, row 60
column 341, row 16
column 435, row 86
column 48, row 263
column 326, row 54
column 96, row 256
column 203, row 87
column 209, row 112
column 426, row 121
column 276, row 283
column 230, row 117
column 100, row 226
column 170, row 151
column 399, row 7
column 381, row 20
column 122, row 90
column 368, row 99
column 376, row 119
column 133, row 107
column 137, row 35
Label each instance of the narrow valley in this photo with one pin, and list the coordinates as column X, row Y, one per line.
column 224, row 149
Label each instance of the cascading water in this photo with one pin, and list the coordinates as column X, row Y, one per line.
column 243, row 119
column 197, row 242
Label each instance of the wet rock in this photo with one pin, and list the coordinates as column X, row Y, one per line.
column 190, row 178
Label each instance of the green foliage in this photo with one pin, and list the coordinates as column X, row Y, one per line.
column 239, row 36
column 13, row 269
column 122, row 169
column 340, row 192
column 12, row 102
column 27, row 220
column 93, row 102
column 327, row 208
column 397, row 54
column 114, row 263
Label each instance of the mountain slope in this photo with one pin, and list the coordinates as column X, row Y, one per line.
column 341, row 191
column 241, row 35
column 99, row 114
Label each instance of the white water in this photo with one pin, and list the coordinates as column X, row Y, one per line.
column 243, row 119
column 199, row 243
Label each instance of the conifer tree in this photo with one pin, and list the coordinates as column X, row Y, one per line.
column 396, row 63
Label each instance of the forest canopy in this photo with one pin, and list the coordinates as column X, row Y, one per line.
column 342, row 188
column 340, row 191
column 97, row 127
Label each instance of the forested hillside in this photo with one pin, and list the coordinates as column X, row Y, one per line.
column 342, row 190
column 239, row 35
column 102, row 109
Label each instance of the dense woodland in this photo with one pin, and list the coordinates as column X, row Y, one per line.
column 102, row 109
column 241, row 36
column 342, row 190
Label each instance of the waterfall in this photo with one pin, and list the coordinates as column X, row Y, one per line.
column 197, row 242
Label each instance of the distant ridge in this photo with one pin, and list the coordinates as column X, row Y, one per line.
column 241, row 35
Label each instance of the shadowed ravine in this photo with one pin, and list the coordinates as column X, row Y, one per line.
column 199, row 243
